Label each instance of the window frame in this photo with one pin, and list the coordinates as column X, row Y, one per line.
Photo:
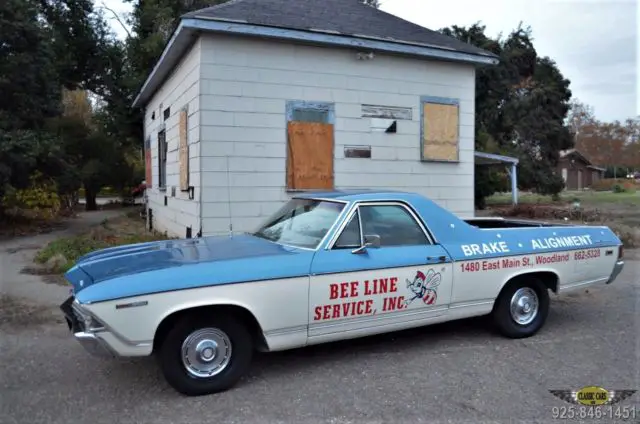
column 291, row 107
column 360, row 232
column 356, row 209
column 436, row 100
column 162, row 158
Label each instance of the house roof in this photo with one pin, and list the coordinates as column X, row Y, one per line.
column 347, row 17
column 338, row 23
column 569, row 152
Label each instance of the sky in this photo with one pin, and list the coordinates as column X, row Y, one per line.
column 595, row 43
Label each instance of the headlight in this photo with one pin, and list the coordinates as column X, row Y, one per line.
column 89, row 322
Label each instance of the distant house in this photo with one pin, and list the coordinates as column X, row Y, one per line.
column 577, row 171
column 255, row 100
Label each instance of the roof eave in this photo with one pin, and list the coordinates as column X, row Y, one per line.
column 182, row 37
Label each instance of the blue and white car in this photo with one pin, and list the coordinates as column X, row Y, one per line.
column 325, row 267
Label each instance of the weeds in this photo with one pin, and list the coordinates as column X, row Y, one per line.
column 60, row 255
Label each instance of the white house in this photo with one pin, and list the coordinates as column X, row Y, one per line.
column 254, row 100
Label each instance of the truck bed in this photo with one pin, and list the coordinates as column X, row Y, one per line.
column 497, row 222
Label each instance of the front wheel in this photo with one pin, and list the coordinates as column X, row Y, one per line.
column 200, row 357
column 522, row 308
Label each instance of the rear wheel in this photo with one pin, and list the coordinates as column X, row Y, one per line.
column 522, row 308
column 205, row 356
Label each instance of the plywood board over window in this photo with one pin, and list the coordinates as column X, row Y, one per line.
column 184, row 152
column 440, row 129
column 310, row 146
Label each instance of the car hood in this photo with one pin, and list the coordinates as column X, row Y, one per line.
column 179, row 264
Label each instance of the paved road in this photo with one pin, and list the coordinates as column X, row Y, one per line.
column 456, row 372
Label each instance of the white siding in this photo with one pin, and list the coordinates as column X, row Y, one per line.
column 182, row 88
column 244, row 88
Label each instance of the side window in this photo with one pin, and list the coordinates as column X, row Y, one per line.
column 350, row 237
column 394, row 224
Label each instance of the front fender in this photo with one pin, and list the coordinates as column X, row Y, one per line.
column 275, row 304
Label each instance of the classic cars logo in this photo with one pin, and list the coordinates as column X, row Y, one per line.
column 424, row 287
column 592, row 396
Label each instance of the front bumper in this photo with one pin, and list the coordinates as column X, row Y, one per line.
column 90, row 338
column 617, row 269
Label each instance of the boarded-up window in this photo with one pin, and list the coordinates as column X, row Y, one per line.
column 310, row 146
column 162, row 159
column 147, row 162
column 184, row 152
column 440, row 129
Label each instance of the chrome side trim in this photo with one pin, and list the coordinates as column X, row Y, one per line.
column 416, row 314
column 286, row 330
column 470, row 304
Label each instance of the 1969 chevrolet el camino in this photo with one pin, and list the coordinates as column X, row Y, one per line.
column 326, row 266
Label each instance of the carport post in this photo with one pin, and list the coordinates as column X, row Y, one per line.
column 514, row 183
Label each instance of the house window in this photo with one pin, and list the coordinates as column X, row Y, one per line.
column 310, row 142
column 564, row 174
column 162, row 159
column 440, row 121
column 148, row 164
column 183, row 157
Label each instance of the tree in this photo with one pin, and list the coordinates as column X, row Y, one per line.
column 521, row 107
column 609, row 144
column 580, row 116
column 96, row 159
column 29, row 94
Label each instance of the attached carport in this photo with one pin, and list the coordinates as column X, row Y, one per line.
column 491, row 159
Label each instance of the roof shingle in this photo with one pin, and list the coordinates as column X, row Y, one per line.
column 346, row 17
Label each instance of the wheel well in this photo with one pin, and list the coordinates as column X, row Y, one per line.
column 548, row 278
column 238, row 312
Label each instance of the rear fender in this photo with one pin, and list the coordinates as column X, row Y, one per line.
column 549, row 276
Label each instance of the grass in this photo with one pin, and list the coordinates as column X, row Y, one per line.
column 60, row 255
column 618, row 211
column 587, row 198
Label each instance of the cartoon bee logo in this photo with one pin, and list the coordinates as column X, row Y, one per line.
column 424, row 287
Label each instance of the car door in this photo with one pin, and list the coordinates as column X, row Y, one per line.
column 381, row 271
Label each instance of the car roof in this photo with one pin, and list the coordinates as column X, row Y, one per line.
column 352, row 195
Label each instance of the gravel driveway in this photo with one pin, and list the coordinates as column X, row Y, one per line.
column 455, row 372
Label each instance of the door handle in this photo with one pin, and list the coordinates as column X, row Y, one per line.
column 436, row 260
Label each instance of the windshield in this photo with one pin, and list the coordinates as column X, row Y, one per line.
column 301, row 222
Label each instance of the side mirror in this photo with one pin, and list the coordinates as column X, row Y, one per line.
column 372, row 240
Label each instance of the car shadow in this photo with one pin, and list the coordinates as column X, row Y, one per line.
column 145, row 371
column 267, row 365
column 468, row 331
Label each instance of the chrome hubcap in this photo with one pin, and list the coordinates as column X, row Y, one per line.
column 524, row 306
column 206, row 352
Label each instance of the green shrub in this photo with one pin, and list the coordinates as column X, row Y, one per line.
column 40, row 198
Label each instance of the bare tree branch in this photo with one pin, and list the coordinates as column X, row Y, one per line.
column 104, row 6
